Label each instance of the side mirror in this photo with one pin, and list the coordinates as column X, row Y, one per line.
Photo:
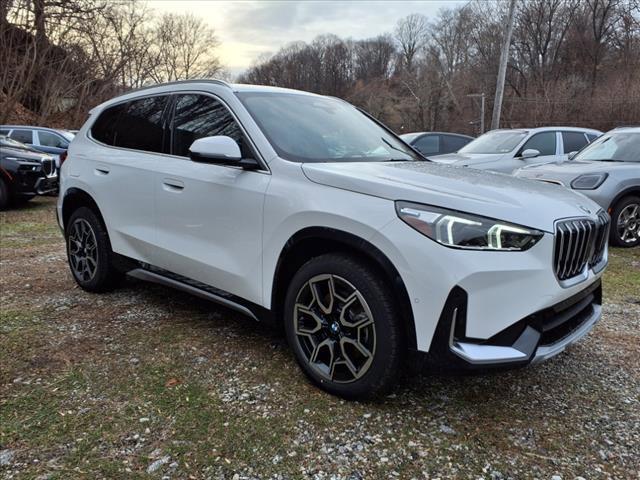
column 572, row 155
column 530, row 153
column 221, row 150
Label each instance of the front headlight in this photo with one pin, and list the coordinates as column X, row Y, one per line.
column 462, row 230
column 589, row 181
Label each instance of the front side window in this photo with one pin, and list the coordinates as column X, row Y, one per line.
column 573, row 141
column 198, row 116
column 310, row 128
column 429, row 144
column 24, row 136
column 48, row 139
column 544, row 142
column 502, row 141
column 614, row 147
column 141, row 125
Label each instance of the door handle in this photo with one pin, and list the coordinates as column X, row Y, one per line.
column 172, row 185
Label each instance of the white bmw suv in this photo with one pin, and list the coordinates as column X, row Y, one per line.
column 303, row 211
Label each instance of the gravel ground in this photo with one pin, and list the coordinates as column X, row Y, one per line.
column 146, row 382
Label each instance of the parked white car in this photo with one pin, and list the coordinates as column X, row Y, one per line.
column 300, row 210
column 508, row 150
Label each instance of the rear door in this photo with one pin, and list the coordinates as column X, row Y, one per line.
column 573, row 142
column 121, row 171
column 209, row 217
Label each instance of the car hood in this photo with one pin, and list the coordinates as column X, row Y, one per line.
column 466, row 159
column 24, row 153
column 533, row 204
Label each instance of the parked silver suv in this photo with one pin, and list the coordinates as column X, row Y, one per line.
column 608, row 172
column 507, row 150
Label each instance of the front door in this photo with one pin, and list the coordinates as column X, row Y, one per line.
column 209, row 217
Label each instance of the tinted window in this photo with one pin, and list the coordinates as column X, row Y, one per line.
column 429, row 144
column 544, row 142
column 453, row 143
column 4, row 132
column 104, row 128
column 24, row 136
column 141, row 125
column 198, row 116
column 573, row 141
column 592, row 137
column 48, row 139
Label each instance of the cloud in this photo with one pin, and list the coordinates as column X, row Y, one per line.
column 251, row 28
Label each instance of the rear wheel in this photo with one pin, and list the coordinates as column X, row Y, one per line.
column 625, row 224
column 342, row 325
column 89, row 252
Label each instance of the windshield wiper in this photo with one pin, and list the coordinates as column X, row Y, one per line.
column 397, row 150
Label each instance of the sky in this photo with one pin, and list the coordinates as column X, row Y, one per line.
column 249, row 29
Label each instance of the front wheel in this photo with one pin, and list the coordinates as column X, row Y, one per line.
column 625, row 228
column 342, row 324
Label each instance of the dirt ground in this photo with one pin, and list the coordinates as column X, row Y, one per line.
column 149, row 382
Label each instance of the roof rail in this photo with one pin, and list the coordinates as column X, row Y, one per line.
column 179, row 82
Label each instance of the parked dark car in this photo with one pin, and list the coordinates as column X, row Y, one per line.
column 24, row 173
column 49, row 140
column 436, row 143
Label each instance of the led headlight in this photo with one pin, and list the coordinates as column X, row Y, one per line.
column 589, row 181
column 466, row 231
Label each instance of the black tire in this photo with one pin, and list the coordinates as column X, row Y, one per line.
column 4, row 195
column 621, row 223
column 104, row 276
column 381, row 335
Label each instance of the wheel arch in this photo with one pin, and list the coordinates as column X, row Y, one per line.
column 633, row 190
column 75, row 198
column 315, row 241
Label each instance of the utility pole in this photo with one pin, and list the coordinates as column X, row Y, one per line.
column 481, row 96
column 502, row 71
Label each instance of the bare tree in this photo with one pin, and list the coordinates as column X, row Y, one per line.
column 411, row 33
column 185, row 47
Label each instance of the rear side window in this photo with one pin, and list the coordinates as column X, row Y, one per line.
column 428, row 145
column 104, row 128
column 24, row 136
column 452, row 143
column 544, row 142
column 573, row 141
column 198, row 116
column 141, row 125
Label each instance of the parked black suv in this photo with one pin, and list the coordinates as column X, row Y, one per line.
column 24, row 173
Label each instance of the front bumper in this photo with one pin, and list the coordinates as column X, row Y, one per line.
column 533, row 339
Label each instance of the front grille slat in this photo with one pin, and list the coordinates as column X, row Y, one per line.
column 579, row 244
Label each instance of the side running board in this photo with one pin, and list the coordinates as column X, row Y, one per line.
column 179, row 284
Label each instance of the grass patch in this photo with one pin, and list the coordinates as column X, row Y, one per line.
column 622, row 278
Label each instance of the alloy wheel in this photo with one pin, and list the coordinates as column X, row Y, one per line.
column 83, row 250
column 628, row 224
column 334, row 328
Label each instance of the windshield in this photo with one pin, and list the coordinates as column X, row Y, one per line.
column 309, row 128
column 495, row 142
column 613, row 147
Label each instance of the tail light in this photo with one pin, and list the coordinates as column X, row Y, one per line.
column 63, row 157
